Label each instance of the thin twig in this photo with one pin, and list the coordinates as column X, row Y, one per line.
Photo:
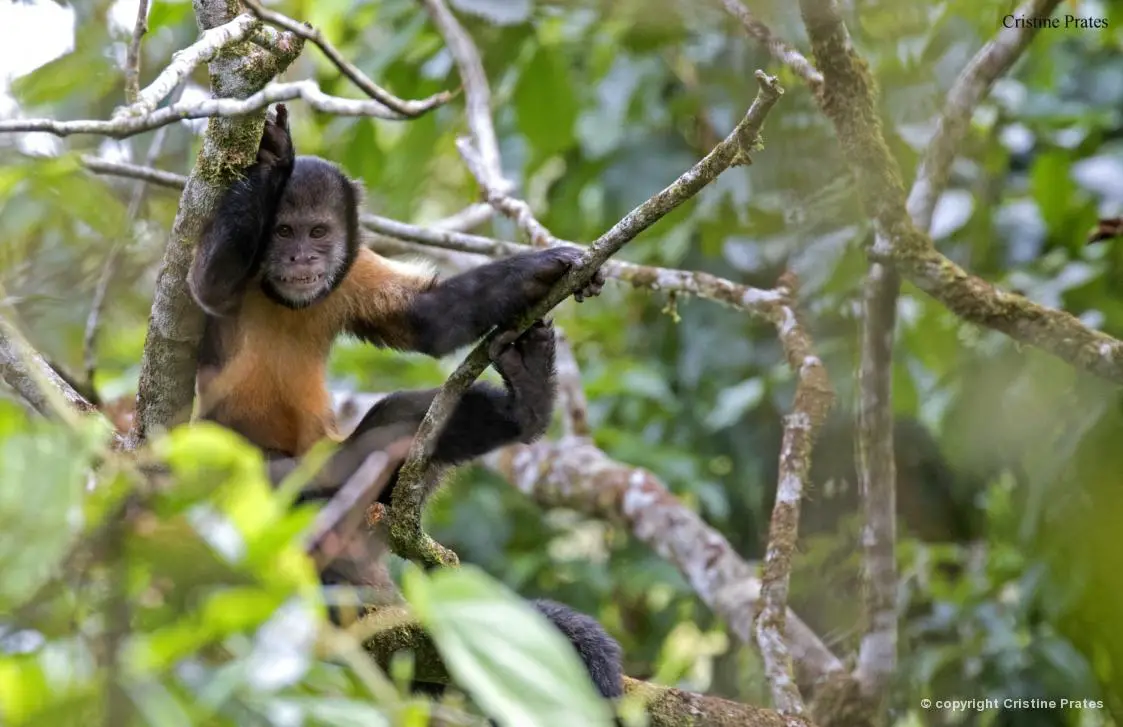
column 410, row 493
column 209, row 45
column 575, row 407
column 481, row 152
column 132, row 56
column 89, row 339
column 346, row 510
column 973, row 84
column 409, row 109
column 776, row 46
column 477, row 94
column 126, row 126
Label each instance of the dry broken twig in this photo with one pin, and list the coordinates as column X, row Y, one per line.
column 407, row 109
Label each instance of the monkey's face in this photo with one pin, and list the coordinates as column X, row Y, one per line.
column 307, row 251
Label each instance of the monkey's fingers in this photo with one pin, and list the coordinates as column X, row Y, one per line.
column 282, row 116
column 592, row 289
column 501, row 343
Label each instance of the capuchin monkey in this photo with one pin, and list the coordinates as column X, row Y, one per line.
column 281, row 271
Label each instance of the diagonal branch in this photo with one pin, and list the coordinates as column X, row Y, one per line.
column 847, row 97
column 410, row 493
column 776, row 46
column 408, row 109
column 973, row 84
column 572, row 472
column 481, row 153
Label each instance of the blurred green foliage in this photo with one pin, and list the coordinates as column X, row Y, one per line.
column 597, row 105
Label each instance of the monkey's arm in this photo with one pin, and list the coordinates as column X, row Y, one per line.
column 229, row 250
column 486, row 417
column 436, row 317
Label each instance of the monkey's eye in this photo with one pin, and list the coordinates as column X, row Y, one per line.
column 318, row 231
column 284, row 231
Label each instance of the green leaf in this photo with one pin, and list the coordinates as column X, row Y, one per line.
column 512, row 661
column 546, row 106
column 1053, row 188
column 498, row 12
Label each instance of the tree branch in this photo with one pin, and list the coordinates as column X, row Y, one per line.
column 394, row 630
column 408, row 109
column 777, row 47
column 481, row 153
column 175, row 326
column 847, row 97
column 93, row 319
column 813, row 400
column 410, row 492
column 573, row 473
column 122, row 127
column 132, row 56
column 973, row 84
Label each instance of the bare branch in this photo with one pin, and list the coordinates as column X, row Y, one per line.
column 847, row 97
column 204, row 50
column 699, row 284
column 132, row 56
column 497, row 190
column 877, row 481
column 28, row 373
column 973, row 84
column 346, row 510
column 125, row 126
column 89, row 340
column 405, row 514
column 159, row 177
column 575, row 407
column 477, row 94
column 813, row 400
column 481, row 153
column 776, row 46
column 410, row 109
column 30, row 376
column 573, row 473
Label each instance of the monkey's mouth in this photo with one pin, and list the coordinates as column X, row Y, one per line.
column 307, row 280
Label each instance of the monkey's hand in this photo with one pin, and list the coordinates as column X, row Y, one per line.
column 552, row 265
column 276, row 148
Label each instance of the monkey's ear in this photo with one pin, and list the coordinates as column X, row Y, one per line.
column 360, row 193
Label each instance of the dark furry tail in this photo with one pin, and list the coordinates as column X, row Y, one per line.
column 599, row 651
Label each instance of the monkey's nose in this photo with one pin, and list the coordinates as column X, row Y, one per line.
column 304, row 258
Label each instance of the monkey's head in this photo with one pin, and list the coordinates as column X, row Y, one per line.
column 315, row 234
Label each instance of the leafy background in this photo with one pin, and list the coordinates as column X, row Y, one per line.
column 1008, row 460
